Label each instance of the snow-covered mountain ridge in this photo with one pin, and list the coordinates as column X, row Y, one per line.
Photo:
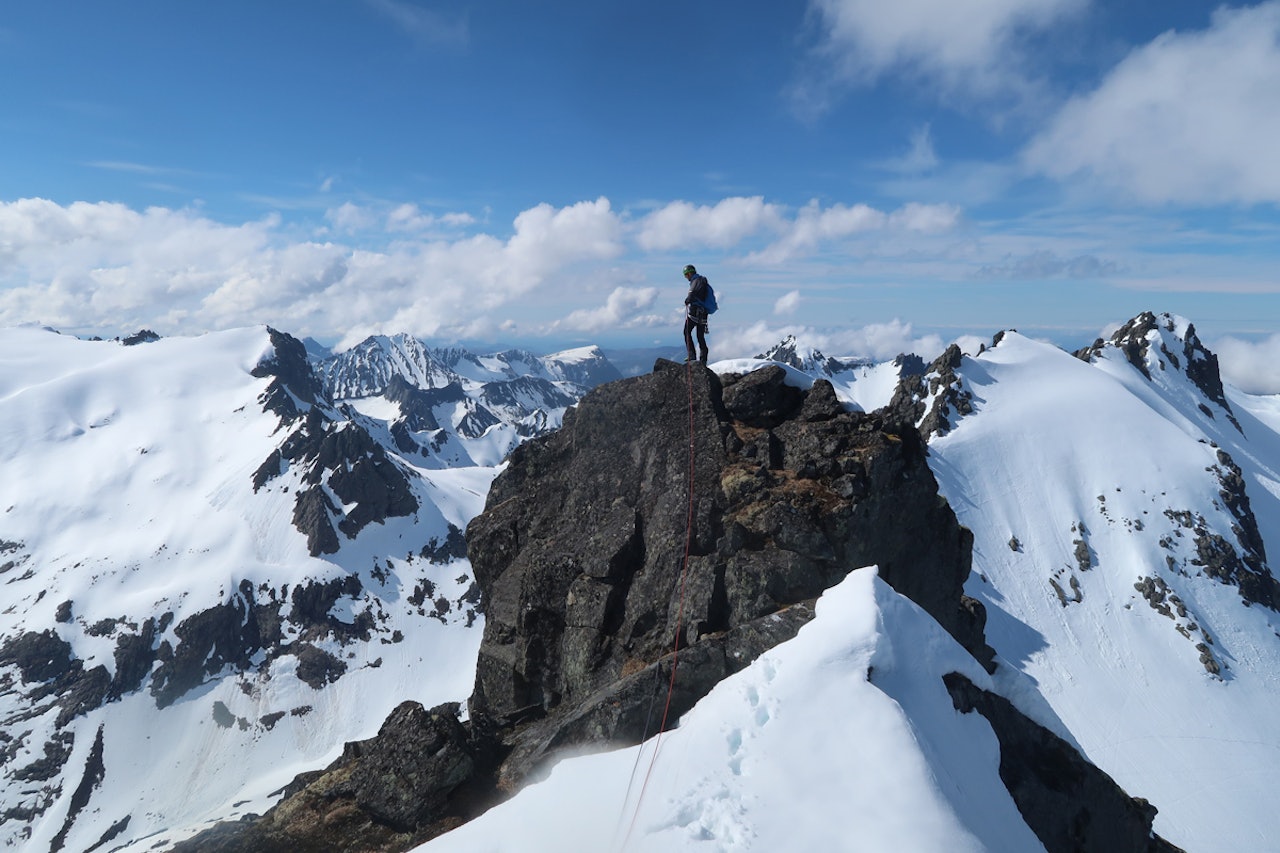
column 165, row 515
column 577, row 556
column 214, row 574
column 448, row 407
column 1121, row 502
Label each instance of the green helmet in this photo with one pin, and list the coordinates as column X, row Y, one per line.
column 690, row 270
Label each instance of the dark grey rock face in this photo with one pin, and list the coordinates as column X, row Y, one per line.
column 291, row 377
column 1069, row 804
column 790, row 494
column 390, row 792
column 331, row 451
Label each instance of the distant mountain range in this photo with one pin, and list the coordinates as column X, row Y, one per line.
column 223, row 558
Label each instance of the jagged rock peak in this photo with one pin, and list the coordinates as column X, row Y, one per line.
column 368, row 368
column 579, row 548
column 372, row 366
column 1159, row 341
column 142, row 336
column 932, row 399
column 293, row 380
column 807, row 359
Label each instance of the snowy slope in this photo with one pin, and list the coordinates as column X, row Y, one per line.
column 1095, row 493
column 130, row 528
column 843, row 739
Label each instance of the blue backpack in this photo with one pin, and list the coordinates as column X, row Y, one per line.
column 709, row 303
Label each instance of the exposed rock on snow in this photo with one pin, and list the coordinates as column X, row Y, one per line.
column 1069, row 804
column 1148, row 342
column 808, row 359
column 935, row 398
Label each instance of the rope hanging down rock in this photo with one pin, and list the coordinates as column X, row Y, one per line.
column 675, row 651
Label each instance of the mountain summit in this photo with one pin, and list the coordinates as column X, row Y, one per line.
column 675, row 528
column 808, row 359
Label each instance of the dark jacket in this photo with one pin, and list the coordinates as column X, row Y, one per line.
column 697, row 295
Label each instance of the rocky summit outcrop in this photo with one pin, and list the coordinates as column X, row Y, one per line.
column 1177, row 344
column 674, row 508
column 580, row 550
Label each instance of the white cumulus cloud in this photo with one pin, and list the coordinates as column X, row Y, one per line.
column 408, row 218
column 1251, row 366
column 682, row 225
column 105, row 268
column 623, row 309
column 1189, row 118
column 787, row 304
column 814, row 227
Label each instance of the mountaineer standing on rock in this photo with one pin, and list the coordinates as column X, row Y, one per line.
column 698, row 304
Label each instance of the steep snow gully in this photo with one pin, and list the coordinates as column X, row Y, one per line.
column 1013, row 600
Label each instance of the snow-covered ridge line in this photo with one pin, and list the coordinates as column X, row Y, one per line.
column 204, row 553
column 368, row 368
column 1121, row 503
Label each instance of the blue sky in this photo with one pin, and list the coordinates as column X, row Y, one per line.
column 876, row 176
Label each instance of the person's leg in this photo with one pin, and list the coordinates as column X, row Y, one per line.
column 688, row 336
column 702, row 342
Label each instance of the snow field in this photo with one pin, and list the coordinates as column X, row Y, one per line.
column 801, row 750
column 1061, row 452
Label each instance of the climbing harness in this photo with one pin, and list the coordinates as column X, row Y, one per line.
column 675, row 651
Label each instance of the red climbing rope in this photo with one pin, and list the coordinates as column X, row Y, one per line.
column 675, row 652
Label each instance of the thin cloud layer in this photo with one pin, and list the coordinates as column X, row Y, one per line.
column 1190, row 118
column 1045, row 264
column 425, row 26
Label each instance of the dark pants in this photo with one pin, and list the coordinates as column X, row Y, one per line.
column 691, row 323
